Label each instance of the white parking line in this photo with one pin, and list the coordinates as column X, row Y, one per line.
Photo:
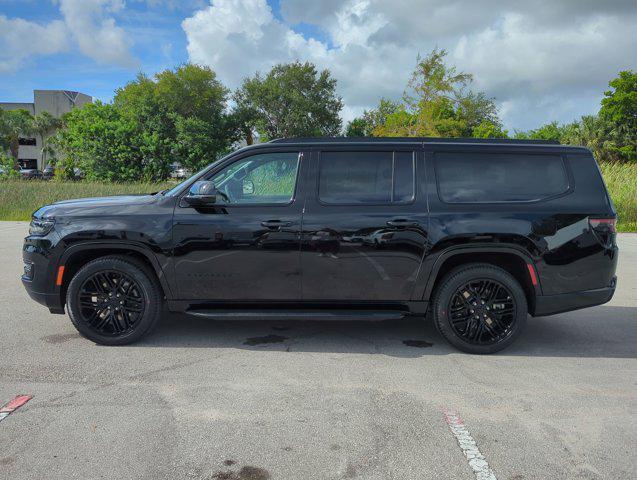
column 468, row 445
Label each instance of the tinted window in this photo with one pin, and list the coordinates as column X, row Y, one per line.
column 264, row 178
column 403, row 177
column 487, row 177
column 366, row 177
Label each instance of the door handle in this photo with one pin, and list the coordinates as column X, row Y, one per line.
column 402, row 222
column 275, row 223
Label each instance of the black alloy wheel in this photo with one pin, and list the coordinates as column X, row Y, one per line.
column 480, row 308
column 111, row 302
column 114, row 300
column 482, row 311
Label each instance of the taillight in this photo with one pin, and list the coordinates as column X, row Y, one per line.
column 603, row 224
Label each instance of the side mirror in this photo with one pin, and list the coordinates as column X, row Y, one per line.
column 201, row 194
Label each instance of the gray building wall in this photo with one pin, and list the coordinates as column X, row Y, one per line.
column 57, row 103
column 29, row 107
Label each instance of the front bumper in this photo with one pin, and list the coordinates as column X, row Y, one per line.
column 50, row 300
column 39, row 278
column 565, row 302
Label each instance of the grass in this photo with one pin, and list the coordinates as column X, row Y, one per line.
column 19, row 199
column 621, row 181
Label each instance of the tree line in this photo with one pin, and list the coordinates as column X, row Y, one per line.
column 187, row 116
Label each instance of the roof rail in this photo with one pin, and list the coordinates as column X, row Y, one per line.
column 410, row 140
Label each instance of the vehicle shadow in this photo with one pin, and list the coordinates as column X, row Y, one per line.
column 600, row 332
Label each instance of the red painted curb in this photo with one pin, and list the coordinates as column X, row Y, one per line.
column 13, row 405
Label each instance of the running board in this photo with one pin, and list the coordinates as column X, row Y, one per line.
column 365, row 315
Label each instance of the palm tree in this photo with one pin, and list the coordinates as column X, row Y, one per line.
column 44, row 124
column 592, row 132
column 13, row 125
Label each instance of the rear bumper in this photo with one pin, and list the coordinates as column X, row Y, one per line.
column 565, row 302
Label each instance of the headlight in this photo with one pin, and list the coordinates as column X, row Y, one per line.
column 40, row 227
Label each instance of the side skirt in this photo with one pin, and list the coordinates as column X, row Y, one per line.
column 366, row 311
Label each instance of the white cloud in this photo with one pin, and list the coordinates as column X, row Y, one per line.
column 548, row 68
column 86, row 24
column 20, row 39
column 239, row 38
column 541, row 59
column 95, row 32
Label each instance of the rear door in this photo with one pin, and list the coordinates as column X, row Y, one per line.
column 365, row 223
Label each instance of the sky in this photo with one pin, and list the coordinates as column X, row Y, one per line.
column 541, row 60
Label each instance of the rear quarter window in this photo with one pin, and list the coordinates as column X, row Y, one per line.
column 499, row 177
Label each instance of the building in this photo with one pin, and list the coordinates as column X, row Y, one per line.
column 57, row 103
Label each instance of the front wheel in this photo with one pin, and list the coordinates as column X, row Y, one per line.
column 114, row 300
column 480, row 308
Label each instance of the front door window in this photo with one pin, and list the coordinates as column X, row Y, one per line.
column 268, row 178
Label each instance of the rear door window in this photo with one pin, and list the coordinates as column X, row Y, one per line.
column 496, row 177
column 366, row 177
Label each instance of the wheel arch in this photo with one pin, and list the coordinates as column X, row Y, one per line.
column 511, row 259
column 80, row 254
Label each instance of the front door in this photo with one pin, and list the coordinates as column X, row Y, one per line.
column 365, row 224
column 246, row 247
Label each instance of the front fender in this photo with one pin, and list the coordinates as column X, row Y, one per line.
column 116, row 245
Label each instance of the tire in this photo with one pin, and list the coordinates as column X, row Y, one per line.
column 118, row 292
column 460, row 295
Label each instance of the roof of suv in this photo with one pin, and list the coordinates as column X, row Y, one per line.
column 424, row 140
column 410, row 140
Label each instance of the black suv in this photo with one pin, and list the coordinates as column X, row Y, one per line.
column 478, row 233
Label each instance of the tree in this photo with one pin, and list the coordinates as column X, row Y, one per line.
column 620, row 104
column 619, row 109
column 292, row 100
column 551, row 131
column 487, row 129
column 590, row 131
column 103, row 143
column 13, row 125
column 191, row 91
column 180, row 116
column 44, row 125
column 364, row 126
column 7, row 167
column 358, row 128
column 437, row 102
column 433, row 79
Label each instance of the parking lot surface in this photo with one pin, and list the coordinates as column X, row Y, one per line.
column 200, row 399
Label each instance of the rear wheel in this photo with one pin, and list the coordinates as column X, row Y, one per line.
column 114, row 300
column 479, row 308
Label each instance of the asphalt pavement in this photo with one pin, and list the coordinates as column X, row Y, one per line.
column 200, row 399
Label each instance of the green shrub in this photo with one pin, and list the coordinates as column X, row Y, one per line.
column 621, row 180
column 7, row 167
